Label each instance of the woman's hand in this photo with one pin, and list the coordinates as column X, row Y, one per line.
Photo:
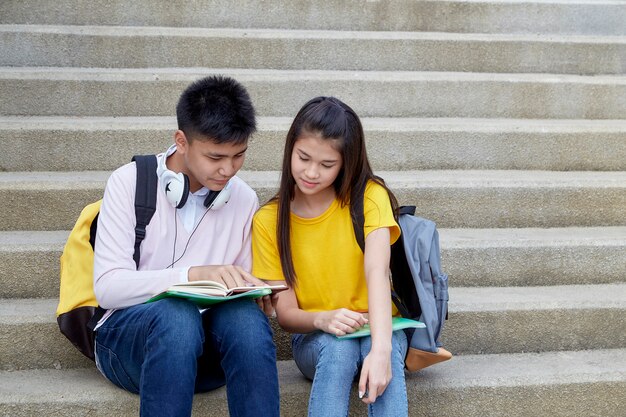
column 375, row 375
column 267, row 304
column 339, row 322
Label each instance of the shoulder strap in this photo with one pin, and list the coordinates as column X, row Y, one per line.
column 145, row 197
column 406, row 210
column 358, row 221
column 145, row 206
column 404, row 311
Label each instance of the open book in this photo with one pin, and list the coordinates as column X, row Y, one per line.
column 206, row 293
column 397, row 323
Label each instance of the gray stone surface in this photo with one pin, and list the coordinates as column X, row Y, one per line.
column 452, row 198
column 529, row 256
column 30, row 263
column 471, row 257
column 84, row 143
column 523, row 171
column 490, row 16
column 140, row 47
column 481, row 320
column 155, row 91
column 586, row 383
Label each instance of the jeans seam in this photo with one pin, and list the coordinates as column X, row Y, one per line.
column 113, row 372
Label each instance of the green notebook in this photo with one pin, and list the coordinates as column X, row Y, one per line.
column 397, row 323
column 205, row 300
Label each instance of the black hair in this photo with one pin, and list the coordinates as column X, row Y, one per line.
column 333, row 120
column 217, row 108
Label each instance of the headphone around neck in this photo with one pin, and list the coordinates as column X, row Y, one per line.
column 176, row 186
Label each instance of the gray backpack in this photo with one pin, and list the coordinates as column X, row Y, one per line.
column 420, row 289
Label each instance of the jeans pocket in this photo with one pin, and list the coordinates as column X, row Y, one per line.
column 113, row 370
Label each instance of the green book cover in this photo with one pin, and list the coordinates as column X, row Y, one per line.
column 204, row 300
column 397, row 323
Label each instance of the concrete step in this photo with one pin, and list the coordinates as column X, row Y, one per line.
column 456, row 198
column 85, row 143
column 137, row 47
column 533, row 257
column 562, row 384
column 471, row 257
column 30, row 263
column 512, row 319
column 34, row 91
column 490, row 16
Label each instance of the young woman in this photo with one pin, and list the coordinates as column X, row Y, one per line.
column 305, row 237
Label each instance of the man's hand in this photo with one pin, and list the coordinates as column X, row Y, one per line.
column 234, row 276
column 339, row 322
column 229, row 275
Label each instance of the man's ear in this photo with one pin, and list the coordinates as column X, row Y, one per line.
column 182, row 144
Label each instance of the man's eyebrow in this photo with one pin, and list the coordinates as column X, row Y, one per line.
column 221, row 155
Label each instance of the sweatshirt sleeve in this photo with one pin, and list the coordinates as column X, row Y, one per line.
column 117, row 282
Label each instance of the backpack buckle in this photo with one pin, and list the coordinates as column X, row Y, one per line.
column 140, row 233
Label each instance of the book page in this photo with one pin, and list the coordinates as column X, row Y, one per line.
column 201, row 287
column 274, row 288
column 217, row 288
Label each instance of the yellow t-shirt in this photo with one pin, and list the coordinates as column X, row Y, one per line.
column 326, row 256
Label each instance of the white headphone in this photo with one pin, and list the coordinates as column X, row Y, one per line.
column 176, row 186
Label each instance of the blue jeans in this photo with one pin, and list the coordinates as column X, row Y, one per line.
column 333, row 364
column 166, row 350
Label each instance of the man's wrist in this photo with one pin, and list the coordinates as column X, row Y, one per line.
column 184, row 274
column 192, row 274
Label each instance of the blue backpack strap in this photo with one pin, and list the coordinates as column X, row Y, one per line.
column 145, row 198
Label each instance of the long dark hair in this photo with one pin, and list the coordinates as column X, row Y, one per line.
column 332, row 120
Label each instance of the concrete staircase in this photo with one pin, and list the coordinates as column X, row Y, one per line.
column 502, row 120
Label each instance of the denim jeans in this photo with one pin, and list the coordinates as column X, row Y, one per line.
column 166, row 350
column 333, row 365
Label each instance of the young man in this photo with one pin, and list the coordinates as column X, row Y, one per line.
column 167, row 350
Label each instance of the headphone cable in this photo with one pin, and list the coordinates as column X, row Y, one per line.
column 188, row 240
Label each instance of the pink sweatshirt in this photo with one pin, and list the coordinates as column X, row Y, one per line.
column 222, row 238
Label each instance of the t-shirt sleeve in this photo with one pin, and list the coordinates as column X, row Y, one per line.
column 378, row 212
column 244, row 259
column 265, row 258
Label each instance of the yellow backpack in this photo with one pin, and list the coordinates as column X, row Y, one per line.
column 78, row 311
